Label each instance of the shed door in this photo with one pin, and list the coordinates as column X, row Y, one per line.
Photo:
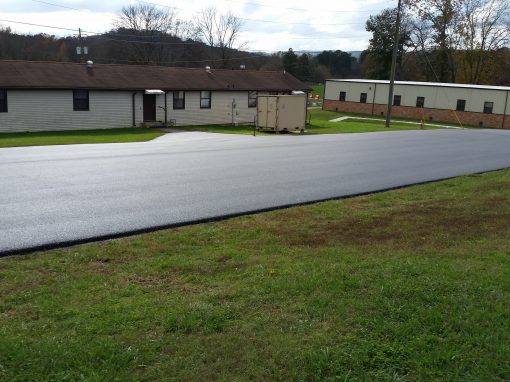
column 149, row 107
column 266, row 112
column 272, row 103
column 262, row 111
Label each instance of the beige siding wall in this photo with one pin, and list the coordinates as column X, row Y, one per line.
column 43, row 110
column 46, row 110
column 435, row 97
column 219, row 113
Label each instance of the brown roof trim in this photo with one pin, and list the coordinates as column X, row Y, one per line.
column 63, row 75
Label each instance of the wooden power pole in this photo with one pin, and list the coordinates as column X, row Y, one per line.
column 393, row 65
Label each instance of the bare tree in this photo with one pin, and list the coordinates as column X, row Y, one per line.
column 150, row 27
column 437, row 21
column 484, row 29
column 220, row 31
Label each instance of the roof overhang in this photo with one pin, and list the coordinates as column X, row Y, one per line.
column 154, row 91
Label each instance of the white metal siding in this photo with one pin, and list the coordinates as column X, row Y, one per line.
column 436, row 97
column 219, row 113
column 44, row 110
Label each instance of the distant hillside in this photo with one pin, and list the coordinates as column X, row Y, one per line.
column 354, row 53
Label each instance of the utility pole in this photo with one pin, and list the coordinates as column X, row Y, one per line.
column 81, row 50
column 393, row 65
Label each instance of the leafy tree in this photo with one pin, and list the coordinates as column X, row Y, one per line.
column 337, row 62
column 377, row 60
column 290, row 62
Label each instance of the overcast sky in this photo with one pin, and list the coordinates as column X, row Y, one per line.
column 268, row 25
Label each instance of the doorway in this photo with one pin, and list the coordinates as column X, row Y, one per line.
column 149, row 107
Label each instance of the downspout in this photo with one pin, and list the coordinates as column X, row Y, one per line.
column 504, row 113
column 166, row 112
column 373, row 99
column 133, row 96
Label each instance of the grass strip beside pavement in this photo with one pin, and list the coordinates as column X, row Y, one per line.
column 320, row 124
column 44, row 138
column 408, row 285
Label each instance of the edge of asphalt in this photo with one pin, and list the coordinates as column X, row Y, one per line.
column 119, row 235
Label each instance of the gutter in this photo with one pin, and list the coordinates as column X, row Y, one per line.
column 166, row 109
column 133, row 106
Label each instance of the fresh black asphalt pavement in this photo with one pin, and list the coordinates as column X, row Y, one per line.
column 58, row 195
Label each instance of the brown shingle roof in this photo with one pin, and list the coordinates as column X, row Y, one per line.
column 58, row 75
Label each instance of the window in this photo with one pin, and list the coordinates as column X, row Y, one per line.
column 342, row 96
column 461, row 104
column 363, row 98
column 205, row 99
column 252, row 99
column 180, row 100
column 397, row 99
column 420, row 102
column 80, row 100
column 3, row 101
column 487, row 107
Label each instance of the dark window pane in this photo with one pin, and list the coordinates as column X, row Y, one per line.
column 3, row 101
column 179, row 100
column 461, row 104
column 397, row 99
column 80, row 100
column 363, row 98
column 205, row 99
column 420, row 102
column 487, row 107
column 342, row 96
column 252, row 99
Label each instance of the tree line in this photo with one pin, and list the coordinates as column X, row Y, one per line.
column 464, row 41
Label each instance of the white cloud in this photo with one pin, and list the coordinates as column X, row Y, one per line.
column 328, row 25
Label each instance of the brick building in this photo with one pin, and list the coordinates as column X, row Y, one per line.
column 475, row 105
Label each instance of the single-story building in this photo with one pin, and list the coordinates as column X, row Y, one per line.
column 476, row 105
column 44, row 96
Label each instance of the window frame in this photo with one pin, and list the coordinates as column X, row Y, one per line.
column 250, row 92
column 395, row 97
column 204, row 98
column 342, row 96
column 461, row 102
column 3, row 101
column 81, row 103
column 485, row 107
column 363, row 98
column 422, row 99
column 176, row 99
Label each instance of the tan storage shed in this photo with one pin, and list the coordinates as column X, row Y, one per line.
column 282, row 112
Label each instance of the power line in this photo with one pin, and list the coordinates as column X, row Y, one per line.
column 251, row 57
column 59, row 5
column 40, row 25
column 272, row 6
column 99, row 34
column 241, row 18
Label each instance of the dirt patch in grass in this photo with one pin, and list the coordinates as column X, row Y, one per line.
column 413, row 225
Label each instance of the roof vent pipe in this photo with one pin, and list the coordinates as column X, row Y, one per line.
column 90, row 64
column 208, row 69
column 243, row 67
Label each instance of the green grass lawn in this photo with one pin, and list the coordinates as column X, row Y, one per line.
column 406, row 285
column 318, row 89
column 131, row 134
column 319, row 124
